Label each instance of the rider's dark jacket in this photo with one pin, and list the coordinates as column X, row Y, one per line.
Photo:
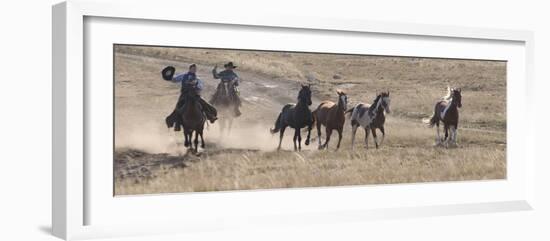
column 226, row 76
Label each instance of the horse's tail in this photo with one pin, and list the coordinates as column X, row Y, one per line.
column 314, row 117
column 278, row 124
column 349, row 112
column 433, row 119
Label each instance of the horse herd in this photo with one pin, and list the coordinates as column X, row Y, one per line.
column 332, row 116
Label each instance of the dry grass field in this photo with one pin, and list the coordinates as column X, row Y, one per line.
column 149, row 158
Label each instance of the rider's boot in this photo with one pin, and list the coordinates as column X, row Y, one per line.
column 237, row 111
column 170, row 120
column 212, row 118
column 177, row 126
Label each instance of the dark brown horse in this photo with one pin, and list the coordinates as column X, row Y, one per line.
column 192, row 120
column 296, row 116
column 226, row 100
column 332, row 116
column 446, row 111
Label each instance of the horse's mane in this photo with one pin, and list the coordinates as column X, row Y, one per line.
column 375, row 102
column 302, row 92
column 449, row 94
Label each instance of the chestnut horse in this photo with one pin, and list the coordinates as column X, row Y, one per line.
column 332, row 116
column 446, row 111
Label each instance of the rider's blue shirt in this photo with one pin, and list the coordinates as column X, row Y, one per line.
column 187, row 78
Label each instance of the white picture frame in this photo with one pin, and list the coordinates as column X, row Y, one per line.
column 71, row 190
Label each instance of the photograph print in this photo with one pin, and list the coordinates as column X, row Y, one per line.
column 191, row 119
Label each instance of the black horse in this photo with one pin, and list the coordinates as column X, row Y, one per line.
column 192, row 119
column 296, row 116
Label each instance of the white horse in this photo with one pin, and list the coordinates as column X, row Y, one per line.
column 366, row 116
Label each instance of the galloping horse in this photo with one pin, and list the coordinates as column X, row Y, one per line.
column 332, row 116
column 192, row 119
column 224, row 100
column 370, row 117
column 446, row 111
column 296, row 116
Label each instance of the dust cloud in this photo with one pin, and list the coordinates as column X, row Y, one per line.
column 153, row 137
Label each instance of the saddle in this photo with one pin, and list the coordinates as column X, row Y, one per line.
column 225, row 93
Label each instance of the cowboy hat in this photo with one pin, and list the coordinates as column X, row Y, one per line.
column 168, row 72
column 229, row 65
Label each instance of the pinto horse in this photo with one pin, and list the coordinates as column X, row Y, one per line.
column 446, row 111
column 296, row 116
column 370, row 117
column 332, row 116
column 378, row 123
column 192, row 120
